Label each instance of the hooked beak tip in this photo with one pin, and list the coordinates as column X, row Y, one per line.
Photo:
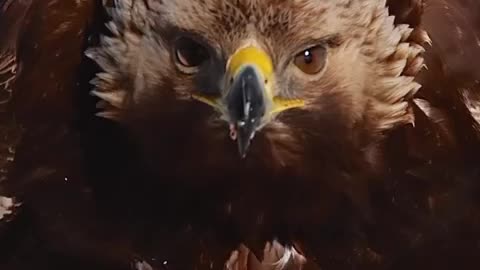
column 243, row 149
column 246, row 104
column 244, row 136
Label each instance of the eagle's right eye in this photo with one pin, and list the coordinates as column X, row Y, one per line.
column 311, row 61
column 189, row 53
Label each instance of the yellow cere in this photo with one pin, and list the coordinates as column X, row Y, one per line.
column 253, row 56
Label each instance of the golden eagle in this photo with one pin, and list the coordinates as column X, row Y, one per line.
column 239, row 134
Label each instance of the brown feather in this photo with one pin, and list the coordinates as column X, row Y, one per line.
column 347, row 181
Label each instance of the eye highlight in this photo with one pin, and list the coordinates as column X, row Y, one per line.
column 311, row 61
column 190, row 54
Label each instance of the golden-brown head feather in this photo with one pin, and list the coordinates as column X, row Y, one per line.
column 368, row 81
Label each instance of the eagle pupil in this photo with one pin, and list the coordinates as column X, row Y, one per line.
column 189, row 53
column 308, row 57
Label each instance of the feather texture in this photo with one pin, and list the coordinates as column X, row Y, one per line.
column 379, row 171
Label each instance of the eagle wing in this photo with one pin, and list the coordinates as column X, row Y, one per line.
column 41, row 54
column 451, row 83
column 12, row 15
column 41, row 49
column 446, row 108
column 455, row 29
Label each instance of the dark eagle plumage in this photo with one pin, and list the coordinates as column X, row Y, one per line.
column 379, row 168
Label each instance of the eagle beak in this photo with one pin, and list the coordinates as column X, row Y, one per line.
column 246, row 106
column 248, row 97
column 248, row 102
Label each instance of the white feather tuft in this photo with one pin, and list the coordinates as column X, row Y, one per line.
column 114, row 98
column 7, row 206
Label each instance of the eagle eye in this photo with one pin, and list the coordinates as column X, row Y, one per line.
column 312, row 60
column 189, row 53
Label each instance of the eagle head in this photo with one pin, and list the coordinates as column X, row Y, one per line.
column 265, row 82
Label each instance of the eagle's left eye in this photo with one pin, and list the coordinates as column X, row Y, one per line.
column 189, row 53
column 311, row 61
